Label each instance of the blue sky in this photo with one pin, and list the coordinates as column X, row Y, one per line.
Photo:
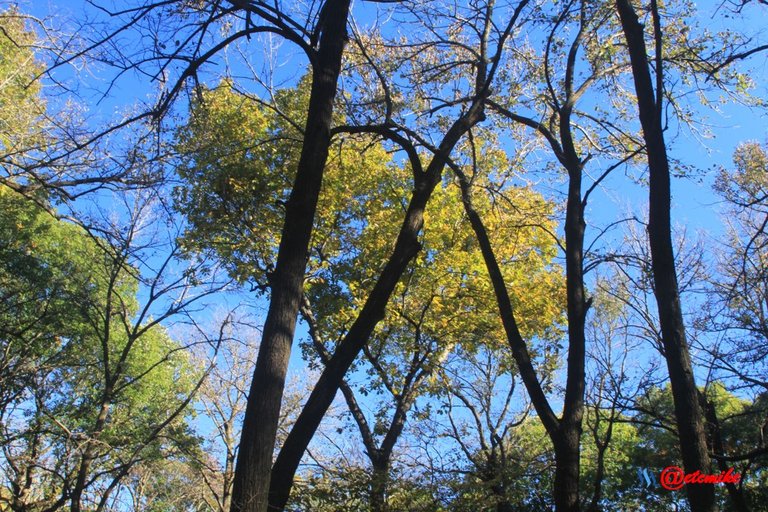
column 695, row 205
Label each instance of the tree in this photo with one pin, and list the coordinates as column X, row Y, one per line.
column 735, row 311
column 247, row 185
column 238, row 154
column 439, row 307
column 47, row 267
column 221, row 403
column 405, row 249
column 47, row 147
column 162, row 485
column 503, row 459
column 323, row 45
column 252, row 472
column 45, row 270
column 690, row 420
column 333, row 206
column 498, row 442
column 738, row 307
column 94, row 376
column 575, row 136
column 655, row 420
column 567, row 65
column 482, row 69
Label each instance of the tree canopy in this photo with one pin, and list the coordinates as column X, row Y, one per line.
column 385, row 255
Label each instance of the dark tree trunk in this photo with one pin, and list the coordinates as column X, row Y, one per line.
column 567, row 455
column 500, row 491
column 736, row 493
column 567, row 440
column 690, row 422
column 565, row 433
column 406, row 248
column 379, row 484
column 330, row 380
column 257, row 442
column 81, row 479
column 89, row 453
column 602, row 448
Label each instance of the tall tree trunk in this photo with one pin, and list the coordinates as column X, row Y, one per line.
column 406, row 248
column 690, row 421
column 330, row 380
column 567, row 454
column 257, row 442
column 736, row 493
column 564, row 432
column 89, row 453
column 567, row 441
column 379, row 484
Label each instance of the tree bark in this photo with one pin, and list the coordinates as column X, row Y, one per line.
column 690, row 421
column 567, row 442
column 254, row 462
column 379, row 483
column 736, row 493
column 567, row 463
column 500, row 491
column 565, row 433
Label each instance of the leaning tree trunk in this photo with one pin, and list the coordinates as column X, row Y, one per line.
column 406, row 247
column 257, row 442
column 564, row 432
column 690, row 421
